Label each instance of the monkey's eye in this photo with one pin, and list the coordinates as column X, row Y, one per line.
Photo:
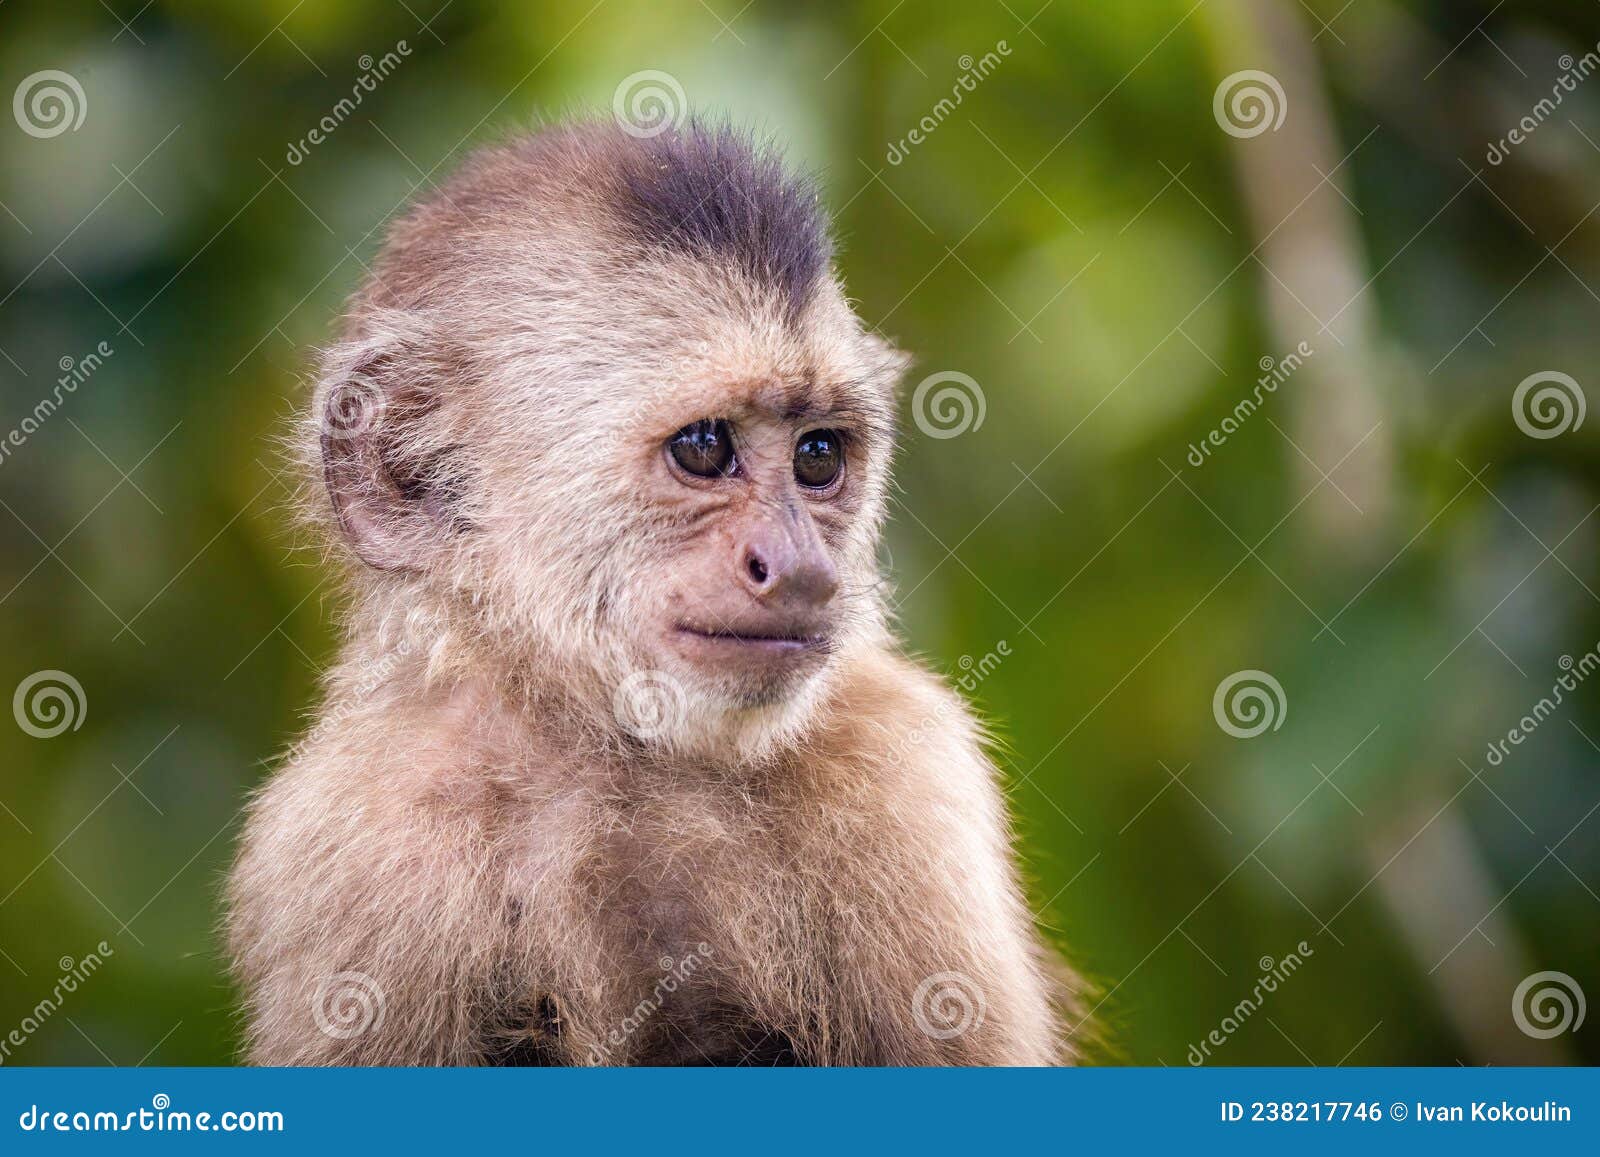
column 704, row 448
column 818, row 458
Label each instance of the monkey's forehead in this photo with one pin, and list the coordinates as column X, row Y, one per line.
column 705, row 193
column 745, row 359
column 807, row 397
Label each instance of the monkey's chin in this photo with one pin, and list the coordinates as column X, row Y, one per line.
column 759, row 689
column 752, row 722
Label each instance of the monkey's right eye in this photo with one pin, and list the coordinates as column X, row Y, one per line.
column 704, row 448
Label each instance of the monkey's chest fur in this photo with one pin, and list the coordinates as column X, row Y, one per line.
column 544, row 911
column 681, row 931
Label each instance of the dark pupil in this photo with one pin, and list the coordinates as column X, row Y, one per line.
column 705, row 448
column 818, row 458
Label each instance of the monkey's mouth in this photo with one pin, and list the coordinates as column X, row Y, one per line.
column 770, row 640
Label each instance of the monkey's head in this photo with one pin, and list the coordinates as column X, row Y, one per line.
column 603, row 416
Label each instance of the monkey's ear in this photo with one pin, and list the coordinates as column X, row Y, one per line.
column 382, row 463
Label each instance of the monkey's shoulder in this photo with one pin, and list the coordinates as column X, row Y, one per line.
column 377, row 759
column 886, row 701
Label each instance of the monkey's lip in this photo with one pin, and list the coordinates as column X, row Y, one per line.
column 770, row 640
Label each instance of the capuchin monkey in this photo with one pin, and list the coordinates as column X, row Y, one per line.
column 619, row 762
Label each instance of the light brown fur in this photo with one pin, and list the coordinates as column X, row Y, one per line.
column 473, row 826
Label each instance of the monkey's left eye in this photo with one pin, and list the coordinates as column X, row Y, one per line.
column 704, row 449
column 818, row 458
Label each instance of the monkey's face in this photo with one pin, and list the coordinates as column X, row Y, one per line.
column 760, row 516
column 681, row 534
column 759, row 483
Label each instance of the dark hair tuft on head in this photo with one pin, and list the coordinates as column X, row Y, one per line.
column 710, row 191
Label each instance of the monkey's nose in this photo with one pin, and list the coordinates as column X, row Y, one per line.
column 778, row 572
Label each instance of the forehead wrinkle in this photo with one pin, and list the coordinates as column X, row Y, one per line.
column 806, row 399
column 785, row 399
column 855, row 405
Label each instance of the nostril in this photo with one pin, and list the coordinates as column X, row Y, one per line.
column 758, row 568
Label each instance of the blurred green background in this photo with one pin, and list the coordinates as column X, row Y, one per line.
column 1078, row 235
